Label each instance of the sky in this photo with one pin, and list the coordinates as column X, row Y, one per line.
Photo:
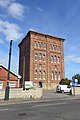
column 59, row 18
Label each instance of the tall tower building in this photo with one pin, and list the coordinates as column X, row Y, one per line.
column 41, row 59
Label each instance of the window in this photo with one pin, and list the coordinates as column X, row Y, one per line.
column 43, row 57
column 36, row 56
column 55, row 67
column 55, row 59
column 44, row 75
column 39, row 44
column 55, row 47
column 40, row 66
column 40, row 74
column 58, row 75
column 51, row 47
column 44, row 45
column 58, row 60
column 35, row 44
column 51, row 58
column 55, row 75
column 36, row 74
column 40, row 56
column 52, row 75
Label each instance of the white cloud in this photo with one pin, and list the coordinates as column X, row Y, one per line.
column 5, row 3
column 72, row 58
column 16, row 10
column 1, row 41
column 40, row 9
column 10, row 30
column 13, row 8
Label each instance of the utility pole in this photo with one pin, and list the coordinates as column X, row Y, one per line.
column 8, row 77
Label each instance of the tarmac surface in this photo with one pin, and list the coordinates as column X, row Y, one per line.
column 47, row 96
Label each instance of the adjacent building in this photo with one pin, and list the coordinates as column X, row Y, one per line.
column 14, row 78
column 41, row 59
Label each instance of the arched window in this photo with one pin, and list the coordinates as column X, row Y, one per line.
column 35, row 44
column 36, row 74
column 40, row 56
column 58, row 75
column 36, row 56
column 52, row 75
column 40, row 74
column 53, row 47
column 58, row 59
column 55, row 59
column 39, row 44
column 51, row 58
column 44, row 75
column 44, row 45
column 40, row 66
column 43, row 57
column 55, row 75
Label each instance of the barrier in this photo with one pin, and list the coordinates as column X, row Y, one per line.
column 19, row 93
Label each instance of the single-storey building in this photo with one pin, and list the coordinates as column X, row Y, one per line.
column 14, row 78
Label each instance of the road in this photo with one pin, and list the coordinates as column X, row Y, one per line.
column 46, row 110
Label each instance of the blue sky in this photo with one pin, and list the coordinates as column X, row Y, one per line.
column 55, row 17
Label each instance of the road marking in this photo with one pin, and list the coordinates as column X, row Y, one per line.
column 44, row 105
column 1, row 110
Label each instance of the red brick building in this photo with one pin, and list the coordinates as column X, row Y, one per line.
column 41, row 59
column 14, row 80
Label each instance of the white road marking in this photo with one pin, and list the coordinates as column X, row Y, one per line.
column 44, row 105
column 1, row 110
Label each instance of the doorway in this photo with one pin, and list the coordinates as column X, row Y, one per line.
column 40, row 84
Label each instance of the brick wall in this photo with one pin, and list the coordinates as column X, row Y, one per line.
column 3, row 77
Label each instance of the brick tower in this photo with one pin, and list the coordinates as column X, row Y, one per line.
column 41, row 59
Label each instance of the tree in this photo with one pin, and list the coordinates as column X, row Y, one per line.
column 65, row 81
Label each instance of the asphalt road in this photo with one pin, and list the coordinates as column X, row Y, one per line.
column 49, row 110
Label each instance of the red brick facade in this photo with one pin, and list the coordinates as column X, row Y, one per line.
column 14, row 81
column 41, row 58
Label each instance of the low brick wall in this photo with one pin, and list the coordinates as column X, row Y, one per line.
column 19, row 93
column 76, row 90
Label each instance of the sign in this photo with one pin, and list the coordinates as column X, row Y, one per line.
column 12, row 84
column 74, row 82
column 28, row 84
column 1, row 85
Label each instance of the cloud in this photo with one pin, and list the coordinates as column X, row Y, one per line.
column 72, row 58
column 40, row 9
column 5, row 3
column 16, row 10
column 1, row 41
column 13, row 8
column 10, row 30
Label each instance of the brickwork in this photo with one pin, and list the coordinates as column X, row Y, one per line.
column 3, row 77
column 44, row 59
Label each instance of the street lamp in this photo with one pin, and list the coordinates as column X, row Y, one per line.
column 8, row 77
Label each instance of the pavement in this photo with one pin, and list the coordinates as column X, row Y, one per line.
column 47, row 96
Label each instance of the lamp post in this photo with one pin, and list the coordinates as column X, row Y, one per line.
column 8, row 77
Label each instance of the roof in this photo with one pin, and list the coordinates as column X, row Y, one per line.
column 40, row 34
column 45, row 34
column 10, row 71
